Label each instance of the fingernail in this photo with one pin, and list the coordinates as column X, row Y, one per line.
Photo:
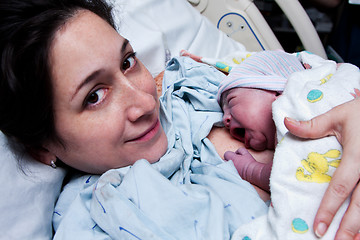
column 320, row 230
column 293, row 121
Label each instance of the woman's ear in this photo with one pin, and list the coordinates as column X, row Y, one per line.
column 42, row 155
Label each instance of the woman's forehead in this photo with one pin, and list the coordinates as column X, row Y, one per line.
column 87, row 44
column 83, row 25
column 83, row 42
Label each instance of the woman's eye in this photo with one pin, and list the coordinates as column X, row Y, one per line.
column 129, row 62
column 96, row 97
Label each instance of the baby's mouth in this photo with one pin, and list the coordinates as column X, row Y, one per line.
column 239, row 133
column 247, row 143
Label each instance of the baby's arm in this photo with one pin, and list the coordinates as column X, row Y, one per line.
column 249, row 169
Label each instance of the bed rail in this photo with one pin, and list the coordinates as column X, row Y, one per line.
column 242, row 21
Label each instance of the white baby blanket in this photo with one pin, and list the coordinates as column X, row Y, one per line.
column 302, row 169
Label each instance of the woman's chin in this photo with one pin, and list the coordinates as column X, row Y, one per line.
column 159, row 148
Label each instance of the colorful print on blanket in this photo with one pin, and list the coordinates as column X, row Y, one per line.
column 191, row 193
column 302, row 169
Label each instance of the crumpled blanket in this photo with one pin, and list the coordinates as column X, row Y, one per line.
column 302, row 168
column 190, row 193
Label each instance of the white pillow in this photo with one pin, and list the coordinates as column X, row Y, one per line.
column 27, row 194
column 158, row 30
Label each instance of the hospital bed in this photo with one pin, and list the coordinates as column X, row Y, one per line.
column 242, row 21
column 158, row 30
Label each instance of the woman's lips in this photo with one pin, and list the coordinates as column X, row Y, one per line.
column 149, row 134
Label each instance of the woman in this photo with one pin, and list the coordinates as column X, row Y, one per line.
column 69, row 95
column 83, row 91
column 94, row 107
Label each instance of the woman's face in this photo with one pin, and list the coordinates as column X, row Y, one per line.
column 248, row 116
column 105, row 102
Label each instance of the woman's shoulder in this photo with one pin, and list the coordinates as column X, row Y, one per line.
column 71, row 191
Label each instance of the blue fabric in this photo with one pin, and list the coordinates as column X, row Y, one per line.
column 190, row 193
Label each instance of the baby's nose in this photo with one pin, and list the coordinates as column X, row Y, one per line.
column 227, row 120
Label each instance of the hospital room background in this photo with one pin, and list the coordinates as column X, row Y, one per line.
column 28, row 194
column 336, row 23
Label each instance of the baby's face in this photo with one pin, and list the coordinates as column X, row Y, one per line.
column 248, row 116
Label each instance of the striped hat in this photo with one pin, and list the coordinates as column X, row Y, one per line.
column 267, row 70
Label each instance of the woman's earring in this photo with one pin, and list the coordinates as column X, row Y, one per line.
column 52, row 164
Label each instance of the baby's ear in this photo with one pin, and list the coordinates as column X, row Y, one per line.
column 277, row 94
column 41, row 154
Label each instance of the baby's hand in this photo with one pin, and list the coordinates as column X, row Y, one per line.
column 239, row 157
column 242, row 159
column 249, row 169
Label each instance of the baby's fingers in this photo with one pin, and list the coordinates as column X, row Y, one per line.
column 242, row 151
column 229, row 155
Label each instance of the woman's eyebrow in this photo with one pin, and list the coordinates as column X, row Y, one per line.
column 124, row 45
column 87, row 80
column 96, row 73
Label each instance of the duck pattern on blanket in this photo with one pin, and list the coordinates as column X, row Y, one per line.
column 302, row 169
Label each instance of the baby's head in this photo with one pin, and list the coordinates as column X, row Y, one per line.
column 247, row 104
column 248, row 116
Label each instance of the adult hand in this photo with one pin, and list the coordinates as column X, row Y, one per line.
column 343, row 122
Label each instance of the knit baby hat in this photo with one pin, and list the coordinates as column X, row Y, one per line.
column 267, row 70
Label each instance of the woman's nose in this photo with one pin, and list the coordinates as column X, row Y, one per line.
column 227, row 120
column 140, row 104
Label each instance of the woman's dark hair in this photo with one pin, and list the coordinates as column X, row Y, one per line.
column 27, row 29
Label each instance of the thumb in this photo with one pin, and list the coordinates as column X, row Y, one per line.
column 320, row 126
column 229, row 155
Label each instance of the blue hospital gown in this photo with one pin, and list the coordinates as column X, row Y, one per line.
column 190, row 193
